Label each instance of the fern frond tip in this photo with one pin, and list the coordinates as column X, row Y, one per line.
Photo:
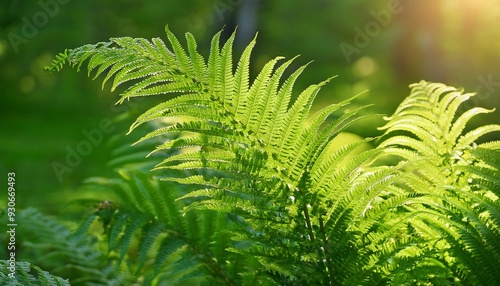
column 59, row 62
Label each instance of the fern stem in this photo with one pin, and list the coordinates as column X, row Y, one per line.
column 329, row 265
column 218, row 271
column 308, row 223
column 215, row 268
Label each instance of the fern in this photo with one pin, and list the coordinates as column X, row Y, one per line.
column 145, row 231
column 255, row 188
column 169, row 243
column 53, row 246
column 27, row 274
column 459, row 176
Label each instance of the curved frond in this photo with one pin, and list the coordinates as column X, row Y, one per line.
column 457, row 178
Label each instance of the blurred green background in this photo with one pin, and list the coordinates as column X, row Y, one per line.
column 376, row 45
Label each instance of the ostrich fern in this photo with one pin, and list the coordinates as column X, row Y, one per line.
column 256, row 190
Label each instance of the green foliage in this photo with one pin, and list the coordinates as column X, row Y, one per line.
column 170, row 246
column 53, row 246
column 458, row 176
column 27, row 274
column 250, row 187
column 144, row 229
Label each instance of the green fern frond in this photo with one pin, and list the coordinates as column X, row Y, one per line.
column 458, row 179
column 27, row 274
column 59, row 62
column 52, row 245
column 157, row 239
column 429, row 114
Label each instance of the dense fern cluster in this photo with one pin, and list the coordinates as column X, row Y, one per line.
column 26, row 274
column 458, row 177
column 250, row 187
column 51, row 245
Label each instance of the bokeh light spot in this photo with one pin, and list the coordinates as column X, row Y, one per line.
column 27, row 84
column 365, row 66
